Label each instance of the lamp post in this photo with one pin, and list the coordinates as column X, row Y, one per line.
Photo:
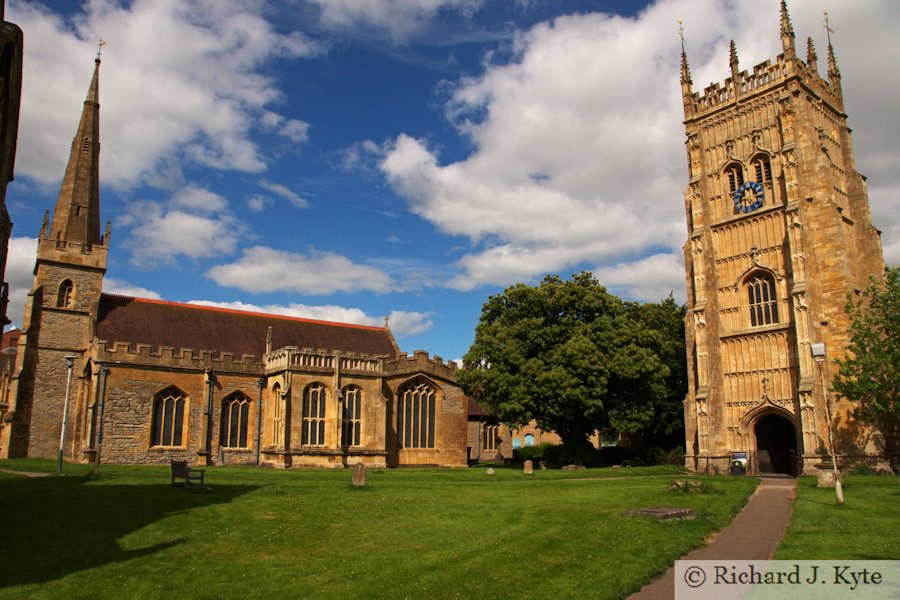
column 70, row 362
column 104, row 372
column 261, row 382
column 818, row 354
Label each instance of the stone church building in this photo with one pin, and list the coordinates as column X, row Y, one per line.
column 779, row 232
column 146, row 381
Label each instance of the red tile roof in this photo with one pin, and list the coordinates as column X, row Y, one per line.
column 161, row 323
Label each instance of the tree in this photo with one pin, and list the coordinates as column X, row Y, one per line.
column 570, row 356
column 870, row 372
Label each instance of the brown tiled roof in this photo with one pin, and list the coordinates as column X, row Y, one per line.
column 160, row 323
column 475, row 409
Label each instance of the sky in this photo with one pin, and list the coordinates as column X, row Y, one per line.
column 352, row 160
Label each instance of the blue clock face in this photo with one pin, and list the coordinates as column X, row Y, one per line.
column 748, row 197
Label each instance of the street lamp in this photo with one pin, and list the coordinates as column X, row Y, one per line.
column 70, row 362
column 818, row 354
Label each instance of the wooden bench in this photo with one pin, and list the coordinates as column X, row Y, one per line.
column 191, row 477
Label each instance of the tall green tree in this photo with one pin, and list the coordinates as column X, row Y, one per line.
column 870, row 372
column 570, row 356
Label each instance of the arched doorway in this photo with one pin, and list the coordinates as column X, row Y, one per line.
column 776, row 445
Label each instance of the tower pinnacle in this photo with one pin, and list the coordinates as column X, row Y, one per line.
column 685, row 69
column 76, row 218
column 787, row 33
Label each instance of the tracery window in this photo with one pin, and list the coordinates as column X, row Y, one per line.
column 763, row 169
column 66, row 297
column 351, row 422
column 416, row 405
column 735, row 175
column 761, row 299
column 314, row 415
column 491, row 437
column 168, row 418
column 235, row 419
column 277, row 415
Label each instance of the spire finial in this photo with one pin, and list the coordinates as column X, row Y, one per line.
column 811, row 58
column 100, row 44
column 833, row 71
column 685, row 69
column 733, row 57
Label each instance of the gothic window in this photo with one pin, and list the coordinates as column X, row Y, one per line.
column 763, row 169
column 351, row 422
column 529, row 439
column 491, row 437
column 416, row 407
column 314, row 415
column 168, row 418
column 235, row 419
column 735, row 175
column 761, row 299
column 277, row 416
column 66, row 297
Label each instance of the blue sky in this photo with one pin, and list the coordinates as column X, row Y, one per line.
column 350, row 160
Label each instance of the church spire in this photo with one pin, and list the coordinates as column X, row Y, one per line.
column 76, row 218
column 833, row 72
column 685, row 69
column 812, row 59
column 787, row 33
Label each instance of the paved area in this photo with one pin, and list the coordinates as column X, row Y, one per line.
column 24, row 473
column 753, row 535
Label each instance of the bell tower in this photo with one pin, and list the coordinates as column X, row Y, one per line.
column 779, row 232
column 61, row 309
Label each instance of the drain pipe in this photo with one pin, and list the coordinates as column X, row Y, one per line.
column 95, row 473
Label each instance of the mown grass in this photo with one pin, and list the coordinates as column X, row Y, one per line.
column 866, row 526
column 416, row 533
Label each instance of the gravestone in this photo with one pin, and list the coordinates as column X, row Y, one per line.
column 529, row 468
column 490, row 471
column 359, row 474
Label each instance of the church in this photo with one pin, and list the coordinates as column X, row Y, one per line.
column 779, row 233
column 101, row 377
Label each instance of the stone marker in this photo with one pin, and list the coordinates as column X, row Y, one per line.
column 490, row 471
column 529, row 467
column 359, row 474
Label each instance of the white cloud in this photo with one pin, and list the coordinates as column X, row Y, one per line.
column 262, row 269
column 259, row 203
column 402, row 323
column 179, row 78
column 123, row 288
column 400, row 18
column 19, row 275
column 578, row 143
column 293, row 129
column 285, row 192
column 195, row 224
column 649, row 280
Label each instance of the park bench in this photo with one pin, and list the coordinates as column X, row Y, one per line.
column 180, row 470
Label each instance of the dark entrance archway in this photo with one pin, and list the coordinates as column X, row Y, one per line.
column 776, row 445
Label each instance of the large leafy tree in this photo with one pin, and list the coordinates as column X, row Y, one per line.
column 570, row 356
column 870, row 373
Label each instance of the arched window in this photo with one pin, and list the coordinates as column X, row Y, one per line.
column 416, row 405
column 735, row 176
column 277, row 416
column 761, row 299
column 235, row 419
column 516, row 443
column 168, row 418
column 491, row 437
column 66, row 297
column 762, row 167
column 314, row 415
column 529, row 439
column 351, row 422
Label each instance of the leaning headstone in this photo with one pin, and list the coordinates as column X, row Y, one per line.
column 359, row 475
column 490, row 471
column 529, row 468
column 543, row 465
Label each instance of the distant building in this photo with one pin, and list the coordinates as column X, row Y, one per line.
column 154, row 381
column 779, row 233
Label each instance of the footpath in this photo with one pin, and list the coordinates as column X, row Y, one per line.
column 753, row 535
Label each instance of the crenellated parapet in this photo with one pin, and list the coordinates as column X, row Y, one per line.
column 421, row 362
column 166, row 357
column 311, row 359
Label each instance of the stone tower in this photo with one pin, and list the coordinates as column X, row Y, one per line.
column 61, row 309
column 779, row 233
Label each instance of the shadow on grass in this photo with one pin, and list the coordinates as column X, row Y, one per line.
column 55, row 526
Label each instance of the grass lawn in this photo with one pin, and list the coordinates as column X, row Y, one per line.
column 867, row 526
column 410, row 533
